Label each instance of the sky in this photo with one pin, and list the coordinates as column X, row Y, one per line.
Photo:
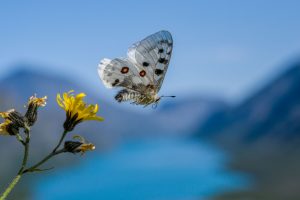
column 222, row 48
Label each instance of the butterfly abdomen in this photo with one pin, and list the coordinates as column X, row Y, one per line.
column 125, row 95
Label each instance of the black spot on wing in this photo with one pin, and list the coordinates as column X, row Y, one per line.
column 158, row 72
column 163, row 60
column 145, row 64
column 116, row 82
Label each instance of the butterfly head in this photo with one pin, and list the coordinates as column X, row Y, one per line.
column 157, row 100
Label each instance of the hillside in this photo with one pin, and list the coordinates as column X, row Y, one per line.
column 273, row 111
column 263, row 136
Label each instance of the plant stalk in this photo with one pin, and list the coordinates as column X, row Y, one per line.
column 26, row 151
column 25, row 158
column 10, row 187
column 60, row 141
column 24, row 162
column 53, row 153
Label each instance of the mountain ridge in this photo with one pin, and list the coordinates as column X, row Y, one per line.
column 262, row 135
column 271, row 111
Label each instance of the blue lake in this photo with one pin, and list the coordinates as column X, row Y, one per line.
column 144, row 169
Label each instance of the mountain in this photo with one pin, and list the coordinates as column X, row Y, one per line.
column 273, row 112
column 176, row 117
column 262, row 135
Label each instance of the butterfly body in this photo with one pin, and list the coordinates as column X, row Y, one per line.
column 136, row 97
column 141, row 74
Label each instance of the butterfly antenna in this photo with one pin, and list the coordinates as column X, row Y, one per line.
column 169, row 96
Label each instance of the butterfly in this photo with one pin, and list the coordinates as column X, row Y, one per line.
column 140, row 75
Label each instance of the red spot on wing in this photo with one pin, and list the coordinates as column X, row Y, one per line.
column 142, row 73
column 124, row 70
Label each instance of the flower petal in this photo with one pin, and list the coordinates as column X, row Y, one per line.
column 96, row 118
column 59, row 101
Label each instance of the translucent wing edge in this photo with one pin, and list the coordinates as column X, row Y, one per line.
column 101, row 67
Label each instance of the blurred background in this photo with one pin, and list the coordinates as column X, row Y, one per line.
column 232, row 132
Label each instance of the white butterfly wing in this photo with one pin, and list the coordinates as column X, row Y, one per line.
column 153, row 55
column 121, row 72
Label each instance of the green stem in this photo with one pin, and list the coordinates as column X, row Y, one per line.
column 34, row 167
column 25, row 158
column 60, row 141
column 26, row 151
column 10, row 187
column 20, row 139
column 53, row 153
column 24, row 162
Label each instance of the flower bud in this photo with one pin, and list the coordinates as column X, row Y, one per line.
column 33, row 104
column 78, row 147
column 8, row 128
column 16, row 118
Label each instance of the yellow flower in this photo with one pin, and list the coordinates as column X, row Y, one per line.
column 7, row 128
column 76, row 109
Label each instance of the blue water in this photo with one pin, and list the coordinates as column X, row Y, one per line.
column 147, row 170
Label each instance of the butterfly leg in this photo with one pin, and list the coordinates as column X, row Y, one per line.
column 134, row 103
column 144, row 97
column 154, row 106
